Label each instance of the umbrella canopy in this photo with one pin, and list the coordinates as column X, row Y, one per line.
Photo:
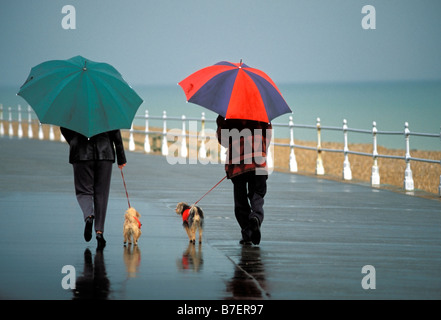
column 82, row 95
column 235, row 91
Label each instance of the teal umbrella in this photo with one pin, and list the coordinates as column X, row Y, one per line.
column 82, row 95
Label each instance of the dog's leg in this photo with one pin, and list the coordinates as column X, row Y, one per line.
column 193, row 233
column 137, row 237
column 130, row 237
column 200, row 234
column 187, row 229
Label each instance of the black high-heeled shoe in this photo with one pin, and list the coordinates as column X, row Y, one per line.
column 88, row 228
column 101, row 241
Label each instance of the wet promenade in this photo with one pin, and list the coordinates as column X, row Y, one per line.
column 316, row 238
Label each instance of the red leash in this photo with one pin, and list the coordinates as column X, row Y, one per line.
column 127, row 194
column 128, row 201
column 124, row 181
column 209, row 191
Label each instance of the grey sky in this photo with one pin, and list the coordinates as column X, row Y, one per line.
column 161, row 42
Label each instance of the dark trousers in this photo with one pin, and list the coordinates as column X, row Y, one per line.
column 249, row 190
column 92, row 185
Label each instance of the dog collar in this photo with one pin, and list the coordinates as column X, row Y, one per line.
column 139, row 223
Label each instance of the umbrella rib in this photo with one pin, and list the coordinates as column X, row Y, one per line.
column 213, row 97
column 240, row 108
column 113, row 96
column 266, row 94
column 97, row 93
column 53, row 94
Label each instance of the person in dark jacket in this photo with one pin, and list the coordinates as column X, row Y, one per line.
column 92, row 160
column 247, row 142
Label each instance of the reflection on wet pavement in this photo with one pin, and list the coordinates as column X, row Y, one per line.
column 93, row 283
column 132, row 260
column 191, row 258
column 249, row 276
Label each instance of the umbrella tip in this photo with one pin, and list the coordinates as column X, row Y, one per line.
column 240, row 63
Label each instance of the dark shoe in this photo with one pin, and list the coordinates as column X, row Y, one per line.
column 88, row 229
column 246, row 235
column 255, row 229
column 101, row 241
column 245, row 242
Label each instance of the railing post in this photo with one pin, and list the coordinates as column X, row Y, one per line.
column 292, row 156
column 347, row 173
column 30, row 131
column 184, row 151
column 40, row 131
column 439, row 186
column 2, row 130
column 269, row 153
column 19, row 129
column 319, row 170
column 408, row 180
column 11, row 130
column 202, row 149
column 51, row 133
column 223, row 154
column 132, row 146
column 146, row 139
column 375, row 176
column 164, row 147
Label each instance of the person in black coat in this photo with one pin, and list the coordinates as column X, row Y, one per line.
column 92, row 160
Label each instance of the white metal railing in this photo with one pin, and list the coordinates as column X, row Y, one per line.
column 202, row 134
column 408, row 183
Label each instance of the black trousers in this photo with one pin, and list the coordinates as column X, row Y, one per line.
column 92, row 186
column 249, row 191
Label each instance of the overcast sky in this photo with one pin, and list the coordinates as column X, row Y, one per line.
column 161, row 42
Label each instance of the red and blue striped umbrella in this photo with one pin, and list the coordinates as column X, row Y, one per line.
column 235, row 91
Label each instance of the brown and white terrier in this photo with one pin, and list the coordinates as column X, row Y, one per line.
column 132, row 226
column 192, row 220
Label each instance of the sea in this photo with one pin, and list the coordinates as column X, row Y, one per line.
column 390, row 104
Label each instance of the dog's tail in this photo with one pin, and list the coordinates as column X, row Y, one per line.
column 196, row 215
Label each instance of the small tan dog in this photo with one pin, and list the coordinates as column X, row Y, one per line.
column 193, row 220
column 132, row 226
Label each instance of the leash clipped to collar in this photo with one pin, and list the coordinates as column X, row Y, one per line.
column 208, row 191
column 127, row 194
column 139, row 222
